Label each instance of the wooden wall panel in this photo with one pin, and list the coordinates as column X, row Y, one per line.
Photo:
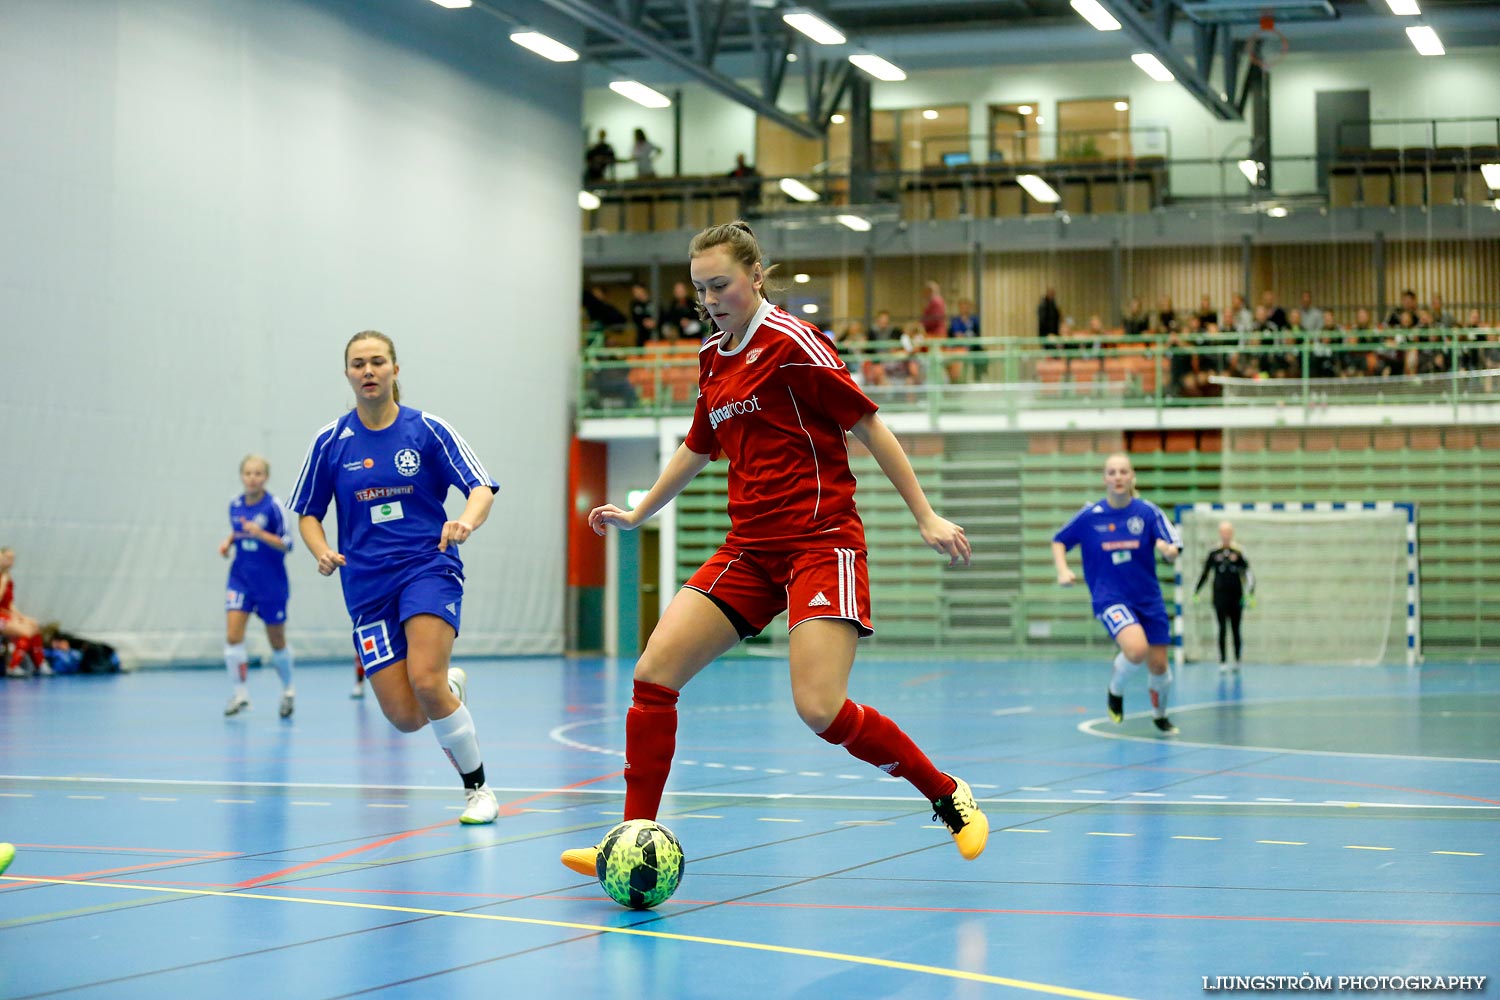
column 1466, row 273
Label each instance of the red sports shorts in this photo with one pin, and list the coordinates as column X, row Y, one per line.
column 807, row 584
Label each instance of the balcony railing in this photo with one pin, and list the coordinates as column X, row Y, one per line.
column 1006, row 376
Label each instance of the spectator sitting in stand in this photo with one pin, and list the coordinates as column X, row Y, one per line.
column 1207, row 315
column 1239, row 317
column 642, row 315
column 749, row 179
column 1274, row 313
column 1408, row 304
column 599, row 162
column 1137, row 322
column 681, row 311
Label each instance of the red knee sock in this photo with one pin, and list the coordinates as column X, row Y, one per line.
column 18, row 647
column 650, row 741
column 38, row 652
column 874, row 739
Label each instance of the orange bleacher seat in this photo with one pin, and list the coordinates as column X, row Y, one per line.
column 1318, row 440
column 644, row 380
column 1180, row 441
column 1077, row 444
column 1489, row 437
column 1457, row 438
column 1389, row 439
column 1041, row 444
column 1084, row 370
column 1425, row 438
column 1284, row 440
column 1145, row 442
column 1354, row 440
column 682, row 382
column 1211, row 441
column 1251, row 440
column 1109, row 442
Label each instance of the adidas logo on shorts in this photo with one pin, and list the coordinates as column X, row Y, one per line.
column 819, row 601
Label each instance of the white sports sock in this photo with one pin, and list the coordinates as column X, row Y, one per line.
column 1161, row 689
column 455, row 735
column 1123, row 669
column 236, row 662
column 282, row 660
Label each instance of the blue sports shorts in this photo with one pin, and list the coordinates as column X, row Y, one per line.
column 380, row 631
column 1153, row 621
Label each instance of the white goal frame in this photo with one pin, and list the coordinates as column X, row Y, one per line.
column 1413, row 589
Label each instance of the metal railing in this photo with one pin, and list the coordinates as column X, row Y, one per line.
column 1006, row 376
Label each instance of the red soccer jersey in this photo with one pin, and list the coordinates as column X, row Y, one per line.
column 777, row 406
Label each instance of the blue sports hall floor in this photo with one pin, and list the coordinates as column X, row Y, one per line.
column 1313, row 820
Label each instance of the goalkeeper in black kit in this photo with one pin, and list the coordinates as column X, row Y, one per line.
column 1234, row 589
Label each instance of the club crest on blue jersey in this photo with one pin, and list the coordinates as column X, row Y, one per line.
column 408, row 461
column 373, row 643
column 1135, row 525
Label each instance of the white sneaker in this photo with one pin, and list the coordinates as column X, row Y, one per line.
column 287, row 703
column 1223, row 668
column 237, row 704
column 482, row 806
column 458, row 683
column 358, row 690
column 45, row 670
column 17, row 672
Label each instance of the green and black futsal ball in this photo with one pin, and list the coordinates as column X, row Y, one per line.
column 640, row 864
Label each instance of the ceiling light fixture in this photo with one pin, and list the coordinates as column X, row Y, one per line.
column 1491, row 174
column 877, row 67
column 814, row 27
column 1251, row 170
column 640, row 94
column 1404, row 8
column 1426, row 40
column 1038, row 188
column 1094, row 13
column 794, row 188
column 547, row 48
column 858, row 223
column 1152, row 67
column 588, row 201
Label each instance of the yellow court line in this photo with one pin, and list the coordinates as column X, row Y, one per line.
column 1361, row 847
column 1461, row 854
column 1288, row 843
column 1182, row 836
column 885, row 963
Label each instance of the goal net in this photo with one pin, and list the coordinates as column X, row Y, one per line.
column 1335, row 583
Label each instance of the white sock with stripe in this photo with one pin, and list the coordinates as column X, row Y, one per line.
column 455, row 735
column 282, row 660
column 1161, row 689
column 236, row 663
column 1123, row 669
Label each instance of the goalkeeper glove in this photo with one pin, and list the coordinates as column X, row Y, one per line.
column 1249, row 602
column 1197, row 598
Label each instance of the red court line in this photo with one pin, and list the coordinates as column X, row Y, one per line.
column 136, row 868
column 512, row 808
column 251, row 883
column 508, row 809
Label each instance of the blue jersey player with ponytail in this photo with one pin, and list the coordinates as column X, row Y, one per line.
column 387, row 469
column 260, row 536
column 1119, row 536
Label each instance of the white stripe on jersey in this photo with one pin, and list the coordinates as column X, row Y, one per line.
column 310, row 465
column 812, row 449
column 465, row 452
column 286, row 523
column 823, row 356
column 1170, row 535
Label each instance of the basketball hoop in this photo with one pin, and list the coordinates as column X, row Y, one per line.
column 1267, row 47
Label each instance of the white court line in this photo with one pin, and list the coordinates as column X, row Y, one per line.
column 821, row 797
column 1018, row 710
column 1089, row 727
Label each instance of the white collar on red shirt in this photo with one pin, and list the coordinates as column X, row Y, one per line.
column 755, row 322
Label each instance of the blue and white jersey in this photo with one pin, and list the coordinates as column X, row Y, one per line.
column 1119, row 551
column 388, row 486
column 257, row 567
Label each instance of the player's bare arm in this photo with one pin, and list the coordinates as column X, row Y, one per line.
column 940, row 534
column 316, row 541
column 681, row 468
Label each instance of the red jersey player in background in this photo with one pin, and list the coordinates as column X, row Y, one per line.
column 776, row 401
column 20, row 630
